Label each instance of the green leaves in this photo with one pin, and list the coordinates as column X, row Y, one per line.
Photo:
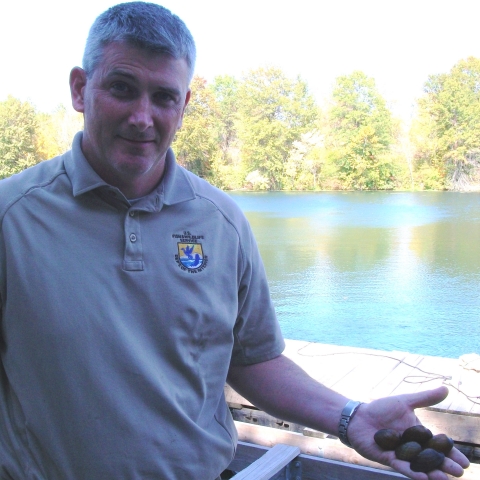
column 273, row 112
column 239, row 133
column 17, row 136
column 196, row 144
column 361, row 132
column 447, row 130
column 28, row 137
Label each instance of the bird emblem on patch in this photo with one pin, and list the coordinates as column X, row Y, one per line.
column 190, row 257
column 190, row 254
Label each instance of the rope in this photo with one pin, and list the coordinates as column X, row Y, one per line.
column 428, row 377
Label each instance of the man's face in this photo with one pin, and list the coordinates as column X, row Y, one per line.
column 133, row 104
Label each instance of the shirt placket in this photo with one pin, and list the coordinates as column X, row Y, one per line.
column 133, row 258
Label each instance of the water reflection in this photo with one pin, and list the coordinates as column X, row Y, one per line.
column 451, row 245
column 286, row 244
column 373, row 269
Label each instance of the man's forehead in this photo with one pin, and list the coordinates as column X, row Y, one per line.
column 120, row 58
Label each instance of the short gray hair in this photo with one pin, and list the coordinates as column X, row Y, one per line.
column 144, row 25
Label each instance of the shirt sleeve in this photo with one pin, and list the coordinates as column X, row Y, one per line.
column 257, row 334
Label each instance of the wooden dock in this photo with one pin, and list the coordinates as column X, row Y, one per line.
column 365, row 374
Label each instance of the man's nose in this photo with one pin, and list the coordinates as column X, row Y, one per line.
column 142, row 115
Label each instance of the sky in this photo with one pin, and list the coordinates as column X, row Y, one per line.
column 398, row 43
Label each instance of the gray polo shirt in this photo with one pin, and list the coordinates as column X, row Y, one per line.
column 119, row 323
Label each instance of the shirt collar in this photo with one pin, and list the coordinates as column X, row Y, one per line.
column 175, row 186
column 81, row 174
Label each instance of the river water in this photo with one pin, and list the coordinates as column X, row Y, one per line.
column 380, row 270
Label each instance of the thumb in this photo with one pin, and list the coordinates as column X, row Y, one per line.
column 427, row 398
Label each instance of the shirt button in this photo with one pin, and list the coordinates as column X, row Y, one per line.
column 132, row 214
column 133, row 238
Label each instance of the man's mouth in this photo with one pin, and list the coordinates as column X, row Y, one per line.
column 138, row 140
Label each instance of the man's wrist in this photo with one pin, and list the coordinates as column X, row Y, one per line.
column 346, row 416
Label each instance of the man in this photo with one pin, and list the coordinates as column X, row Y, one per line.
column 131, row 290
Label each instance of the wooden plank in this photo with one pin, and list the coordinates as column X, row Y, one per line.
column 371, row 370
column 245, row 454
column 471, row 388
column 465, row 392
column 312, row 468
column 462, row 428
column 355, row 383
column 393, row 382
column 387, row 362
column 329, row 369
column 258, row 417
column 323, row 469
column 269, row 464
column 446, row 371
column 458, row 401
column 317, row 359
column 234, row 399
column 475, row 399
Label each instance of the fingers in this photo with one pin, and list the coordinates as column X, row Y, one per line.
column 448, row 466
column 458, row 457
column 452, row 467
column 427, row 398
column 404, row 468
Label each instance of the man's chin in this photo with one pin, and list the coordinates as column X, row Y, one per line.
column 138, row 165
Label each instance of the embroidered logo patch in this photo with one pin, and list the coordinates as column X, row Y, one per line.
column 190, row 256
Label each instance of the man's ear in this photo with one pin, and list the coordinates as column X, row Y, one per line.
column 187, row 99
column 78, row 80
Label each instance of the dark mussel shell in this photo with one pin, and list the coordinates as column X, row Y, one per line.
column 440, row 443
column 387, row 439
column 427, row 460
column 418, row 433
column 408, row 451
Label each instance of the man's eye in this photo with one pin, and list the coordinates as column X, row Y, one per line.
column 119, row 88
column 164, row 97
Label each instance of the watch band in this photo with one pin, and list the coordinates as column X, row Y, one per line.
column 347, row 414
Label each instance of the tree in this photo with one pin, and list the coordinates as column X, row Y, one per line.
column 230, row 172
column 55, row 131
column 305, row 163
column 447, row 131
column 196, row 143
column 17, row 136
column 273, row 112
column 225, row 90
column 361, row 131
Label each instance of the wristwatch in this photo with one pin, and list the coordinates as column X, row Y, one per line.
column 347, row 414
